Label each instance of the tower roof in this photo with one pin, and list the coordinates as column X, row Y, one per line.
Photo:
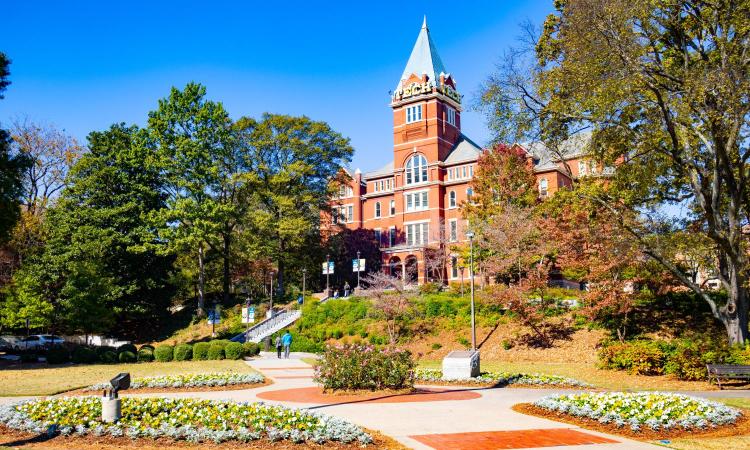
column 424, row 58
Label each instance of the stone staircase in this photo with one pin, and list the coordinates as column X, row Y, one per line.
column 263, row 329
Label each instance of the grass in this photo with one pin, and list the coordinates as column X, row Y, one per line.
column 54, row 380
column 607, row 379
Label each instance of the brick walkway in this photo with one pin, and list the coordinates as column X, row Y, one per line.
column 493, row 440
column 314, row 394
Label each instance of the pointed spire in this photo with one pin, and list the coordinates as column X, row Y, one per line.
column 424, row 58
column 424, row 23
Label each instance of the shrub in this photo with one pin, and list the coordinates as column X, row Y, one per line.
column 58, row 355
column 108, row 357
column 127, row 348
column 183, row 352
column 337, row 334
column 233, row 350
column 100, row 351
column 349, row 367
column 250, row 349
column 145, row 354
column 200, row 351
column 637, row 357
column 164, row 353
column 689, row 358
column 437, row 345
column 430, row 288
column 148, row 347
column 126, row 357
column 216, row 351
column 84, row 355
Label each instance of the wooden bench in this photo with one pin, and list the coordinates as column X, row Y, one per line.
column 727, row 372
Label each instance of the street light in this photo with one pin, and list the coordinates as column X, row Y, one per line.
column 470, row 235
column 271, row 305
column 304, row 274
column 359, row 269
column 461, row 269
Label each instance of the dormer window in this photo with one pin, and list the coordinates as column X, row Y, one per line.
column 416, row 169
column 413, row 113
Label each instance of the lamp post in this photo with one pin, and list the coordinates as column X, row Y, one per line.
column 304, row 274
column 359, row 269
column 270, row 309
column 461, row 269
column 328, row 275
column 470, row 235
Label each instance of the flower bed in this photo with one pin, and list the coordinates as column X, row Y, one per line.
column 191, row 420
column 638, row 410
column 504, row 378
column 189, row 381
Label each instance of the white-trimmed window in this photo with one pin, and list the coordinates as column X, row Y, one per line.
column 416, row 201
column 417, row 233
column 393, row 207
column 469, row 193
column 453, row 230
column 463, row 169
column 543, row 185
column 450, row 115
column 452, row 199
column 450, row 174
column 582, row 169
column 391, row 236
column 413, row 113
column 454, row 267
column 471, row 171
column 378, row 237
column 377, row 210
column 416, row 169
column 345, row 191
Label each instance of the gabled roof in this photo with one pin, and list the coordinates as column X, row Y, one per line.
column 424, row 58
column 383, row 171
column 465, row 150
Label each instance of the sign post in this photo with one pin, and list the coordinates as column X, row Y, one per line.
column 327, row 271
column 358, row 265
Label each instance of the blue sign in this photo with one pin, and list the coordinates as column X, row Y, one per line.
column 214, row 318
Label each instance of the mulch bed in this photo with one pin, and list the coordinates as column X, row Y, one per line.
column 233, row 387
column 741, row 427
column 12, row 438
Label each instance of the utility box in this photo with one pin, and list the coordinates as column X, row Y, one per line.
column 461, row 364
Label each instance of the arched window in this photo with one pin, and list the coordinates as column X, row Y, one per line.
column 469, row 193
column 416, row 169
column 452, row 199
column 543, row 187
column 377, row 209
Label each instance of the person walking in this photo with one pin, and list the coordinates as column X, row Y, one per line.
column 287, row 341
column 347, row 288
column 278, row 347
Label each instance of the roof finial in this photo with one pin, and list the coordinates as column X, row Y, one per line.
column 424, row 23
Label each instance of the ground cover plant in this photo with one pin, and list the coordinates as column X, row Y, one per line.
column 655, row 411
column 181, row 419
column 188, row 380
column 501, row 378
column 356, row 367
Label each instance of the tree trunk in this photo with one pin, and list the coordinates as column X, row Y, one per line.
column 735, row 314
column 201, row 280
column 225, row 280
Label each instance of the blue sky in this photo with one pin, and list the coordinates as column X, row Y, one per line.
column 85, row 65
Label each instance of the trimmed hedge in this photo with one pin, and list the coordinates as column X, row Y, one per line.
column 84, row 355
column 148, row 347
column 200, row 351
column 126, row 357
column 233, row 350
column 183, row 352
column 145, row 355
column 58, row 355
column 216, row 351
column 127, row 348
column 108, row 357
column 250, row 349
column 164, row 353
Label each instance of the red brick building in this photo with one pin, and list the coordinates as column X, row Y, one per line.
column 413, row 202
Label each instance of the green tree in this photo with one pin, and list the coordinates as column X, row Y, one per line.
column 293, row 160
column 203, row 169
column 663, row 86
column 12, row 167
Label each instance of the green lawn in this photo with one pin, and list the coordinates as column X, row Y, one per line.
column 607, row 379
column 54, row 380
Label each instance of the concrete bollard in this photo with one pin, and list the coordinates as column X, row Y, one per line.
column 111, row 409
